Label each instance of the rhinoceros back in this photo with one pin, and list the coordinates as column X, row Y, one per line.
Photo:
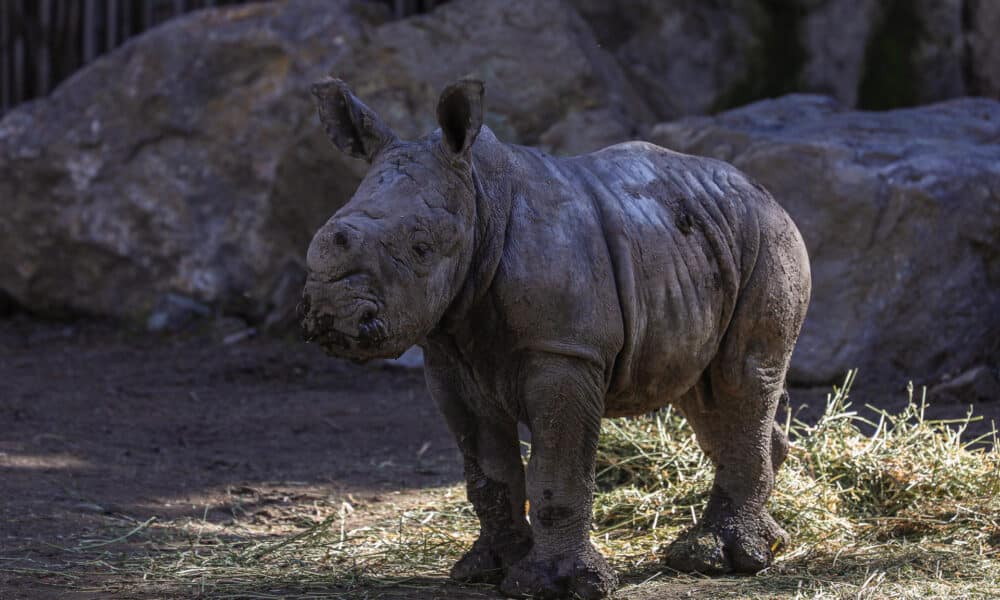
column 683, row 233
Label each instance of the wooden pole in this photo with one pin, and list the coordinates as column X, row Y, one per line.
column 89, row 30
column 57, row 36
column 127, row 19
column 43, row 53
column 111, row 29
column 19, row 54
column 73, row 43
column 5, row 75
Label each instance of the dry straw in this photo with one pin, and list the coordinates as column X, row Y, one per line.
column 911, row 511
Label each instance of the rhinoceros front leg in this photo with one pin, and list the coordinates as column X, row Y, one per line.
column 494, row 477
column 563, row 400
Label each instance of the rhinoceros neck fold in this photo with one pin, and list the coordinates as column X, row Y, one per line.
column 491, row 165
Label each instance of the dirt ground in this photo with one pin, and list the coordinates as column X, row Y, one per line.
column 102, row 429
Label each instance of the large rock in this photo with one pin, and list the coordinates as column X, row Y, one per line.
column 185, row 173
column 885, row 54
column 186, row 167
column 984, row 47
column 900, row 211
column 548, row 82
column 834, row 35
column 939, row 55
column 689, row 57
column 686, row 57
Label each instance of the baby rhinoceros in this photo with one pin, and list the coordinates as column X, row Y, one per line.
column 554, row 292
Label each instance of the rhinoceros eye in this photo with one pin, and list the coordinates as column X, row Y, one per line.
column 421, row 249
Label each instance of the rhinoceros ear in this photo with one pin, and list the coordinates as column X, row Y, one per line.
column 351, row 126
column 460, row 115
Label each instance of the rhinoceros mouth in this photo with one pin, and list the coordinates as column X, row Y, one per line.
column 370, row 342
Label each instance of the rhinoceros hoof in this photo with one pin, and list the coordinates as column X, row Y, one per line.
column 488, row 563
column 719, row 549
column 584, row 575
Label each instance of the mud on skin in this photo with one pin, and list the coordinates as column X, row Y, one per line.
column 555, row 292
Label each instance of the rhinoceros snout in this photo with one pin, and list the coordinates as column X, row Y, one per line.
column 323, row 330
column 303, row 311
column 316, row 326
column 372, row 331
column 354, row 332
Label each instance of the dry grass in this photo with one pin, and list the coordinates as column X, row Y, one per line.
column 912, row 511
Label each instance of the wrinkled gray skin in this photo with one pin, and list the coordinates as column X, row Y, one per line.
column 554, row 292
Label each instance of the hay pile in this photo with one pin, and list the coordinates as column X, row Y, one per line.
column 911, row 511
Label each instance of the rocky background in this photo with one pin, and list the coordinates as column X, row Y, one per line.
column 182, row 175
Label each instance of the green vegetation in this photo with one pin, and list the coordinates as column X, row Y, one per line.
column 912, row 511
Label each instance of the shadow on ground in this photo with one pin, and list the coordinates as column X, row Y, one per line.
column 102, row 427
column 116, row 445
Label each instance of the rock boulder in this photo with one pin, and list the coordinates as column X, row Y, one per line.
column 984, row 47
column 687, row 57
column 186, row 172
column 900, row 211
column 185, row 168
column 548, row 83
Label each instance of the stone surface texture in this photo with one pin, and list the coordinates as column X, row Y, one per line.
column 184, row 168
column 186, row 171
column 901, row 216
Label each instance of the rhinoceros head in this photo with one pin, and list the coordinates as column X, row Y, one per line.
column 385, row 267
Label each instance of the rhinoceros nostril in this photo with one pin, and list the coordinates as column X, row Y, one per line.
column 340, row 239
column 325, row 322
column 302, row 309
column 367, row 316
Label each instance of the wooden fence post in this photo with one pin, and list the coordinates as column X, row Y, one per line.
column 5, row 75
column 43, row 49
column 18, row 53
column 89, row 30
column 111, row 28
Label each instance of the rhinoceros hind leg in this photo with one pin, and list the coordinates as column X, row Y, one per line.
column 729, row 544
column 735, row 532
column 732, row 413
column 736, row 429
